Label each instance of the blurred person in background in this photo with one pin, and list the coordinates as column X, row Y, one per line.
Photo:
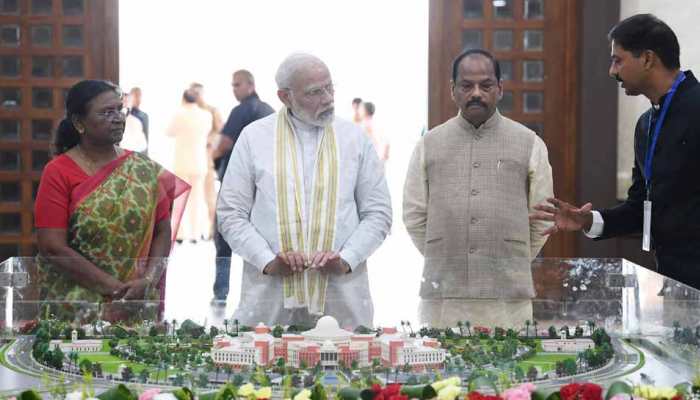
column 356, row 118
column 190, row 127
column 250, row 109
column 381, row 144
column 135, row 109
column 134, row 138
column 212, row 139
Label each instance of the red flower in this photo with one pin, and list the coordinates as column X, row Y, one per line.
column 475, row 396
column 392, row 390
column 677, row 397
column 578, row 391
column 479, row 396
column 569, row 392
column 590, row 391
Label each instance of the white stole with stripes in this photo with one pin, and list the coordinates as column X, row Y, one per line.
column 308, row 288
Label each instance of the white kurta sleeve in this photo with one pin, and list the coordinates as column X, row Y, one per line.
column 415, row 197
column 540, row 188
column 234, row 206
column 373, row 208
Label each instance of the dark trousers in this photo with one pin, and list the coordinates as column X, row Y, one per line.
column 680, row 264
column 223, row 265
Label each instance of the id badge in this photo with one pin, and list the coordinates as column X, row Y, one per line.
column 646, row 233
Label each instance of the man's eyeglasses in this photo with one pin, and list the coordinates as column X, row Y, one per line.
column 318, row 92
column 114, row 113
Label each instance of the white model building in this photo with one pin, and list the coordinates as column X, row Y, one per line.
column 328, row 345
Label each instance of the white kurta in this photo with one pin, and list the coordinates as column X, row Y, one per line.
column 246, row 212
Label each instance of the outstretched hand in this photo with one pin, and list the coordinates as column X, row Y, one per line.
column 565, row 216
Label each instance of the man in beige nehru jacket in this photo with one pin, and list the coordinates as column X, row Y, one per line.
column 471, row 185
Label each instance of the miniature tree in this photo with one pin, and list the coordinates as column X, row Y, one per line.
column 570, row 367
column 468, row 325
column 143, row 375
column 362, row 330
column 235, row 323
column 73, row 357
column 527, row 328
column 460, row 325
column 375, row 364
column 410, row 329
column 153, row 331
column 86, row 366
column 281, row 363
column 238, row 380
column 354, row 364
column 532, row 373
column 552, row 332
column 591, row 326
column 57, row 358
column 277, row 331
column 203, row 380
column 519, row 373
column 534, row 325
column 676, row 330
column 127, row 374
column 578, row 332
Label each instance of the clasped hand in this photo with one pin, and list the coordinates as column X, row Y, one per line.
column 131, row 290
column 290, row 262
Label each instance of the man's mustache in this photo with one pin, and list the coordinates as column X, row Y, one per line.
column 326, row 112
column 475, row 103
column 617, row 78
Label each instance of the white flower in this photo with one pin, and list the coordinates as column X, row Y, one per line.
column 74, row 396
column 164, row 396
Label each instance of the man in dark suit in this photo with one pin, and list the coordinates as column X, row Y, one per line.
column 250, row 109
column 645, row 60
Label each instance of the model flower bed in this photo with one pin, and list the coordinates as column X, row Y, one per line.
column 446, row 389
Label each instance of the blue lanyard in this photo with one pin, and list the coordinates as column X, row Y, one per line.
column 657, row 129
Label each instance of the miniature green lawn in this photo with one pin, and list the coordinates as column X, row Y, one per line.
column 545, row 361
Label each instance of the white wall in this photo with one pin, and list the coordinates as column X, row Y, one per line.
column 681, row 16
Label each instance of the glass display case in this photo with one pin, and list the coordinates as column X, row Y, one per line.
column 592, row 320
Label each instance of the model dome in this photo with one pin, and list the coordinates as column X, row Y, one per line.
column 327, row 323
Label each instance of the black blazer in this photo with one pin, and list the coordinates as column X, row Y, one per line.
column 675, row 185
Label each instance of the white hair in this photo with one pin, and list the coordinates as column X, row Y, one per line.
column 292, row 65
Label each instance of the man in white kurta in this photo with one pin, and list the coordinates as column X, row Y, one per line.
column 249, row 218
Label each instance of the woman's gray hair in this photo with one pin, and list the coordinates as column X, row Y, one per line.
column 292, row 65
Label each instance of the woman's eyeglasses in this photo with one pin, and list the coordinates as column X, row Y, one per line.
column 114, row 113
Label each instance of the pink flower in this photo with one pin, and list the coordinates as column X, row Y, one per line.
column 149, row 394
column 530, row 387
column 518, row 393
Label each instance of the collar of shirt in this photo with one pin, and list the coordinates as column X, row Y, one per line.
column 253, row 96
column 657, row 107
column 490, row 123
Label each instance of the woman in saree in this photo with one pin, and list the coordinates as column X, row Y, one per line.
column 105, row 216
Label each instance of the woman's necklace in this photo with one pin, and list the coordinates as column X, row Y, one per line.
column 90, row 163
